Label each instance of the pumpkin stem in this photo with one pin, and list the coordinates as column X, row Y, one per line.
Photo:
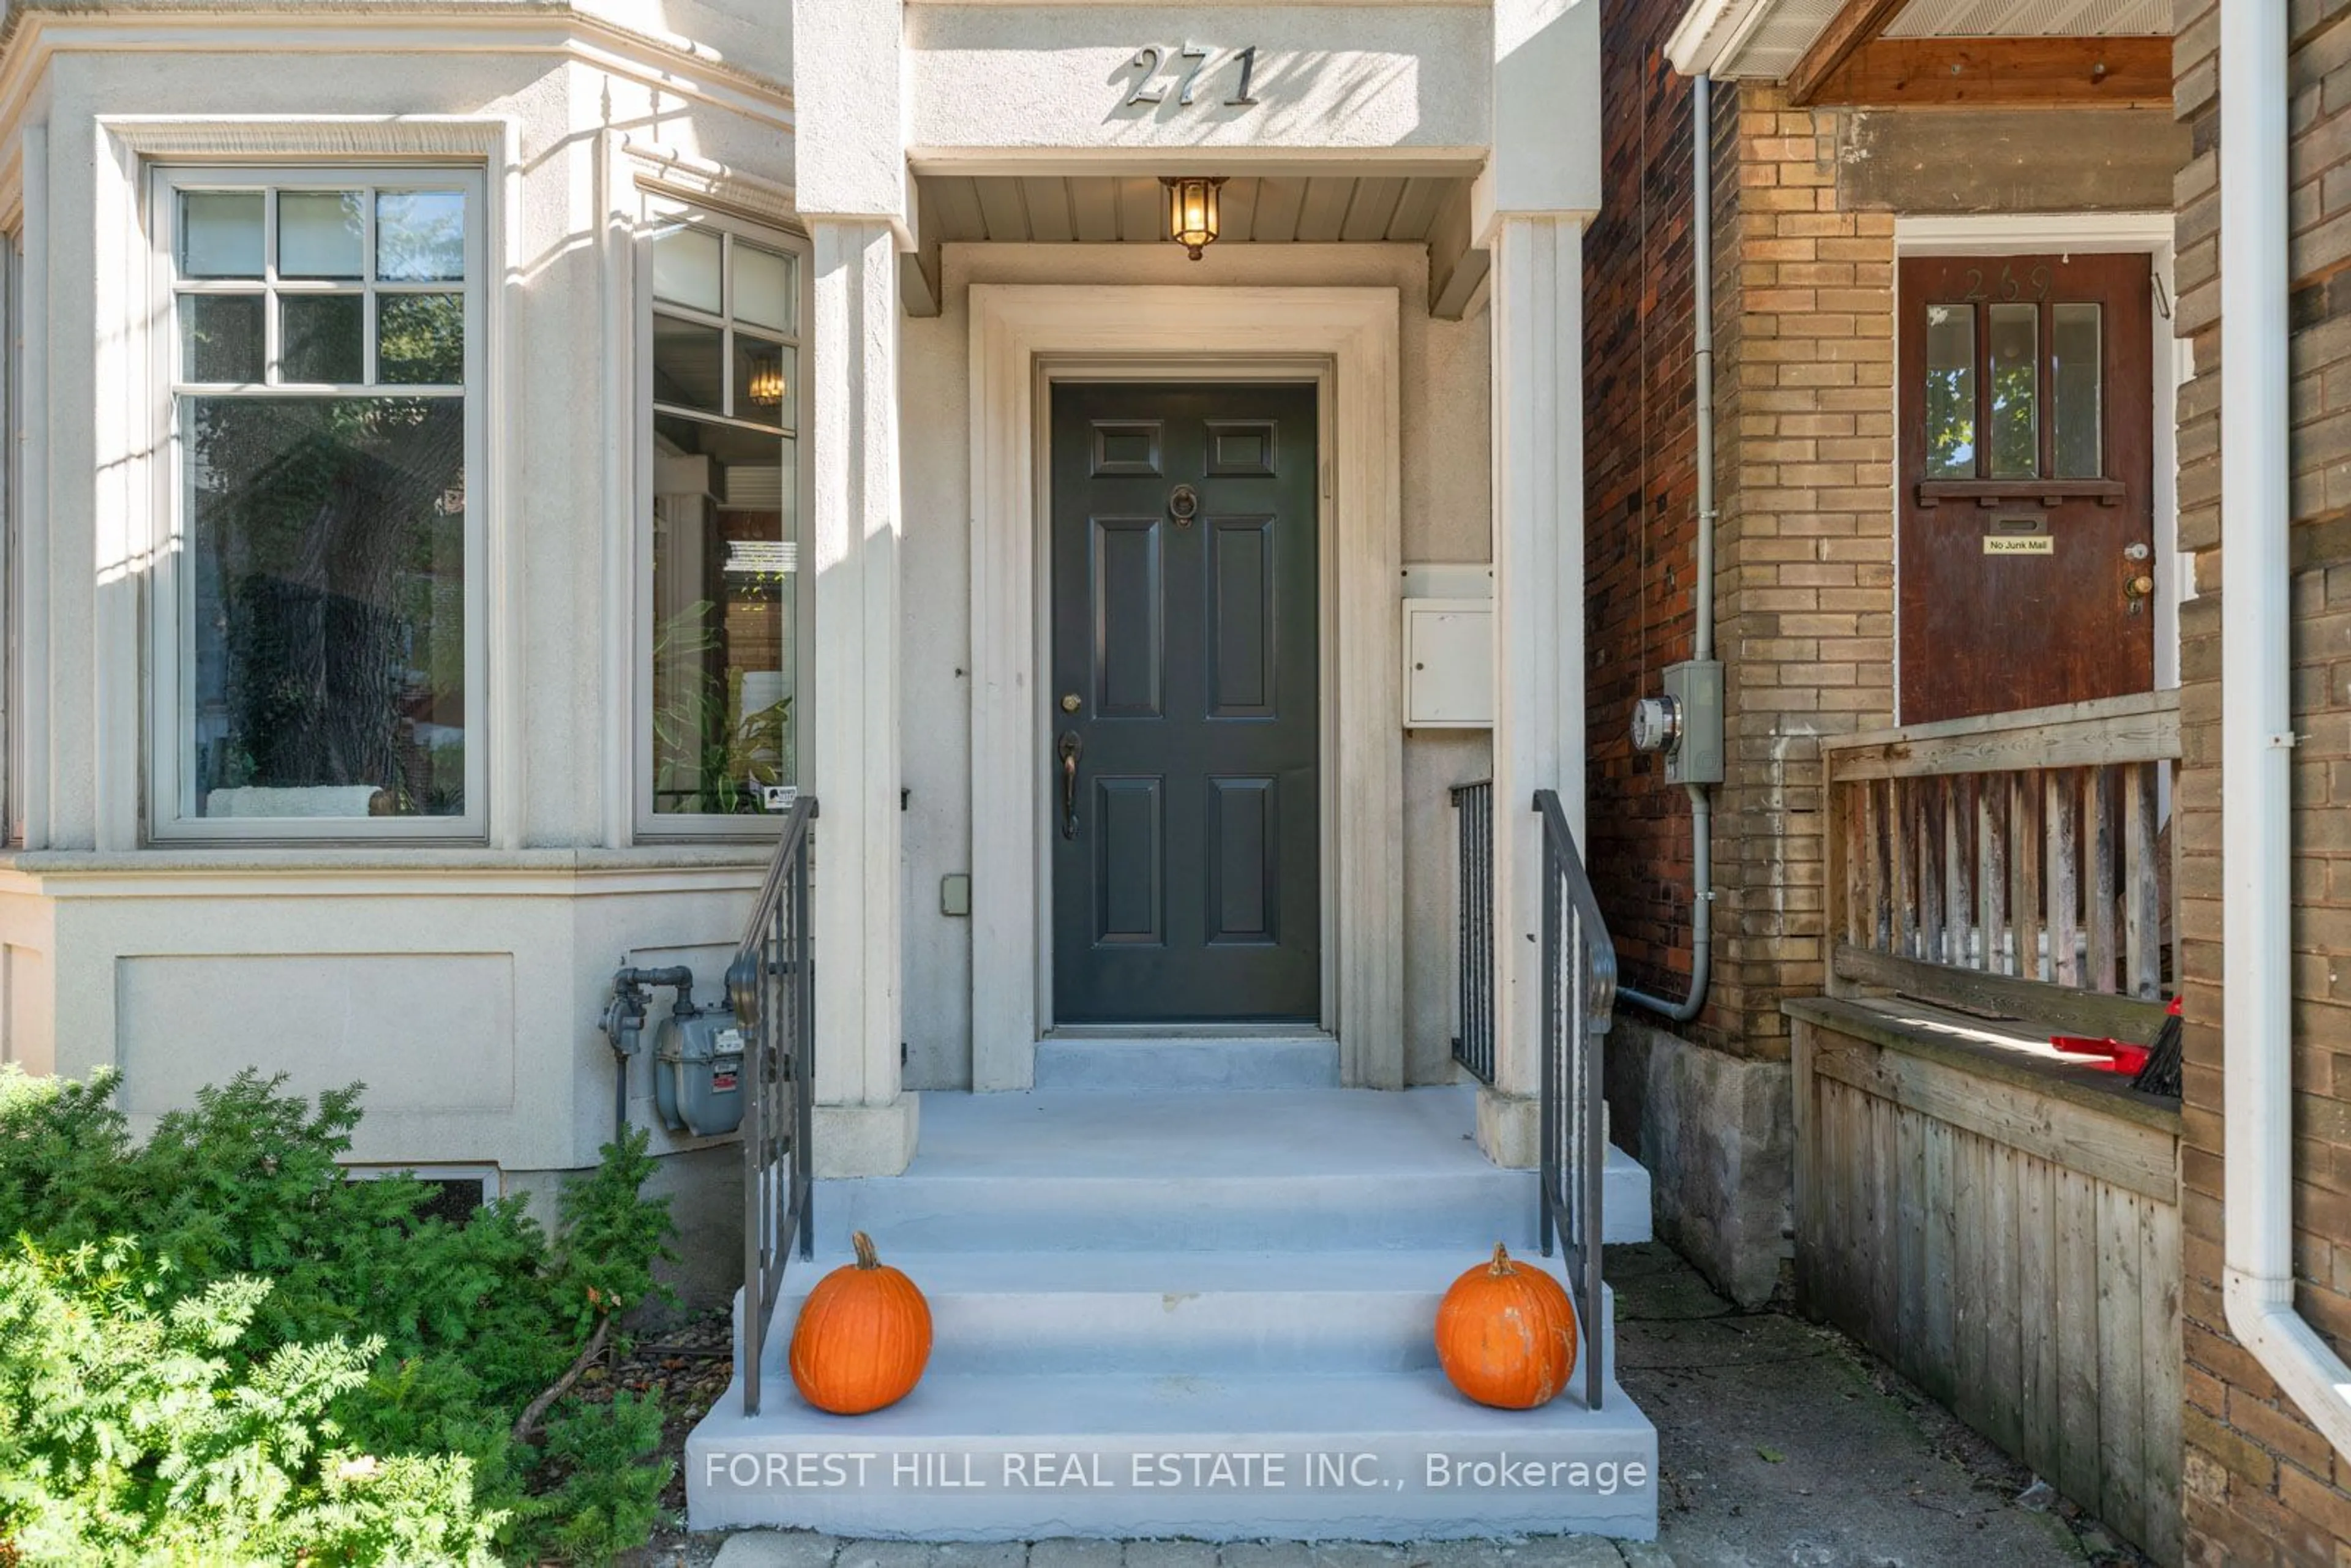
column 866, row 1257
column 1501, row 1265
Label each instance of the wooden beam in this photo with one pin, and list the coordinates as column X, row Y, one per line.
column 1856, row 24
column 2123, row 73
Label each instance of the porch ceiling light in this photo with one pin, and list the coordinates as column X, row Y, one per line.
column 1192, row 210
column 766, row 386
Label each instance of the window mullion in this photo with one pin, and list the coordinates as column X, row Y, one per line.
column 272, row 345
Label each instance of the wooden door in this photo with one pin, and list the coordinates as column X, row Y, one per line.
column 2026, row 557
column 1187, row 855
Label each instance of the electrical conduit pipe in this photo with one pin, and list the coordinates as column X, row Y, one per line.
column 2256, row 727
column 1702, row 634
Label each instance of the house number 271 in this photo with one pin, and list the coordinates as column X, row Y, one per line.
column 1149, row 57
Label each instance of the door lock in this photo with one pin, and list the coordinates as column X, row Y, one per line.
column 2135, row 593
column 1070, row 703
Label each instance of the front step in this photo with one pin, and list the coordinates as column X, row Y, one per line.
column 1215, row 1458
column 1182, row 1313
column 1234, row 1062
column 1133, row 1172
column 1237, row 1313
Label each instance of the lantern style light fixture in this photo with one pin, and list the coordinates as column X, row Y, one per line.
column 766, row 386
column 1192, row 210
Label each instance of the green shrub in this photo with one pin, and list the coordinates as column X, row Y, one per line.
column 215, row 1347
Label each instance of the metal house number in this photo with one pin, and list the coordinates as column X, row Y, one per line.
column 1148, row 59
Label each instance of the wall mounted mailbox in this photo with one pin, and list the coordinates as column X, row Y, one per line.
column 1448, row 646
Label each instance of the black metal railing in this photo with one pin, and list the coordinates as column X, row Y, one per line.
column 775, row 1005
column 1473, row 1047
column 1579, row 979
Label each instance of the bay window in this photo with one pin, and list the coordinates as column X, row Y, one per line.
column 318, row 648
column 719, row 651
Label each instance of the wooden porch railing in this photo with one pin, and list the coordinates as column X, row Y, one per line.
column 2010, row 861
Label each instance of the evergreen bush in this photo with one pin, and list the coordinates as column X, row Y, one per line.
column 215, row 1347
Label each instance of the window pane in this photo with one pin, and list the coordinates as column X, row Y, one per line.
column 2076, row 390
column 220, row 338
column 724, row 626
column 1950, row 391
column 689, row 364
column 220, row 233
column 324, row 616
column 420, row 235
column 685, row 270
column 767, row 380
column 320, row 338
column 765, row 288
column 321, row 233
column 420, row 339
column 2015, row 392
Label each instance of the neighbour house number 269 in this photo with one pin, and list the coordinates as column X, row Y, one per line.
column 1187, row 65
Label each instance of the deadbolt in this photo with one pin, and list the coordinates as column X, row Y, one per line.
column 1070, row 702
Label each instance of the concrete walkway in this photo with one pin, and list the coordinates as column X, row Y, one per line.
column 1780, row 1443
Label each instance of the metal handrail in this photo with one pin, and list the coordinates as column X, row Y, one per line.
column 1473, row 1047
column 771, row 985
column 1579, row 979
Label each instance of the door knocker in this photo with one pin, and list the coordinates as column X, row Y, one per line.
column 1183, row 504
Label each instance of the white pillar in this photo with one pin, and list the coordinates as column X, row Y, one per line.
column 1538, row 439
column 865, row 1122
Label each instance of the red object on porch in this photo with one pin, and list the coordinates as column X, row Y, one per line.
column 2119, row 1055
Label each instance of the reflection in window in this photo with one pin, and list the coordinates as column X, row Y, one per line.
column 2014, row 375
column 1950, row 391
column 725, row 622
column 321, row 632
column 326, row 542
column 2076, row 390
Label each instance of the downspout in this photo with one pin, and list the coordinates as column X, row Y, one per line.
column 2257, row 727
column 1702, row 639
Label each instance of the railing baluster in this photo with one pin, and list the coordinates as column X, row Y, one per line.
column 1902, row 866
column 2098, row 849
column 2024, row 819
column 1875, row 934
column 2142, row 912
column 1956, row 869
column 2064, row 878
column 1992, row 872
column 1931, row 881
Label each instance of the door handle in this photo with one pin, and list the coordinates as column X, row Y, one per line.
column 1069, row 748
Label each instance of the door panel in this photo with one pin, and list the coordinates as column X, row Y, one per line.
column 2025, row 562
column 1186, row 867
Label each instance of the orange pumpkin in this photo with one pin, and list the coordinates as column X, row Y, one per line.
column 1506, row 1334
column 862, row 1338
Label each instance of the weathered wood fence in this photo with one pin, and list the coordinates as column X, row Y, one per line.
column 2006, row 861
column 2000, row 1225
column 2010, row 1245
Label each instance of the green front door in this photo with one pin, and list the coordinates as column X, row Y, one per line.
column 1187, row 818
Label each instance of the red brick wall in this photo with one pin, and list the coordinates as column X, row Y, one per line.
column 2260, row 1485
column 1640, row 487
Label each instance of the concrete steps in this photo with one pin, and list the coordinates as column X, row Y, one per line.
column 1191, row 1313
column 1242, row 1062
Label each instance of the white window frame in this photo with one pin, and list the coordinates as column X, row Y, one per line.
column 170, row 817
column 663, row 213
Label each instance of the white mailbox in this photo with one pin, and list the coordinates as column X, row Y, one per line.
column 1448, row 647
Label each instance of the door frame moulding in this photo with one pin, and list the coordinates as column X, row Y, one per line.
column 1023, row 338
column 2090, row 233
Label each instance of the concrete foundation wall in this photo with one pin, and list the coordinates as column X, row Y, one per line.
column 1717, row 1134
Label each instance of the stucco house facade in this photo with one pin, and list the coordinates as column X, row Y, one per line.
column 484, row 471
